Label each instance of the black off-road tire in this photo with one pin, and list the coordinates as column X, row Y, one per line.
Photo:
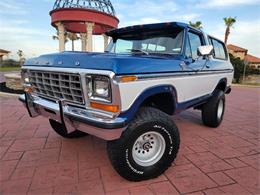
column 120, row 151
column 61, row 130
column 210, row 116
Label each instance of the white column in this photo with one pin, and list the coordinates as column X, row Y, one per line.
column 89, row 28
column 61, row 34
column 83, row 41
column 106, row 39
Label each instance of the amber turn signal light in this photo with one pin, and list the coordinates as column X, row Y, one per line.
column 28, row 89
column 125, row 79
column 105, row 107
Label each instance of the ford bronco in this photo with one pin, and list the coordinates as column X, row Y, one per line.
column 127, row 94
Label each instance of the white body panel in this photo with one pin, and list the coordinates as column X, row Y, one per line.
column 187, row 87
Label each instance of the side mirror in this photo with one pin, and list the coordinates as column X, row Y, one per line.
column 205, row 50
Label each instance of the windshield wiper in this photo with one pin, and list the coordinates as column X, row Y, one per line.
column 139, row 51
column 162, row 54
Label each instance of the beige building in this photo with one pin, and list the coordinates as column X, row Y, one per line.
column 242, row 53
column 237, row 52
column 3, row 53
column 252, row 61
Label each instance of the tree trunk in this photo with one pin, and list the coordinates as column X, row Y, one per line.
column 227, row 34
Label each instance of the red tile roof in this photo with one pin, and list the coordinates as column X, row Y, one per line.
column 252, row 59
column 236, row 48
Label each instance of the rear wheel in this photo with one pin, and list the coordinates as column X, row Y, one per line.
column 62, row 131
column 147, row 147
column 213, row 110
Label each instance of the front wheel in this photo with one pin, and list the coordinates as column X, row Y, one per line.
column 213, row 110
column 147, row 147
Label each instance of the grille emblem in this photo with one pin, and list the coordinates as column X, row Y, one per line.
column 77, row 63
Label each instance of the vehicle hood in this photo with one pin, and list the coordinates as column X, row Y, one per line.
column 120, row 64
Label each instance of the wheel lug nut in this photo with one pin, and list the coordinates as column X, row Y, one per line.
column 152, row 142
column 143, row 152
column 147, row 150
column 139, row 151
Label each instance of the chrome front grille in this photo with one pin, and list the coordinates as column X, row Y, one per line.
column 57, row 85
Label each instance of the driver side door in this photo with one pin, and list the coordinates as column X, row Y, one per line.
column 196, row 82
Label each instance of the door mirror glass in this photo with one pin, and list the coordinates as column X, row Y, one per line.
column 205, row 50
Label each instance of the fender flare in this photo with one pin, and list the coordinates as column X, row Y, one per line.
column 130, row 113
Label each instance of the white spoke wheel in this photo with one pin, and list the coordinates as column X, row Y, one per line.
column 220, row 109
column 148, row 149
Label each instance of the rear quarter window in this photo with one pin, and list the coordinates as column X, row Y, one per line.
column 219, row 51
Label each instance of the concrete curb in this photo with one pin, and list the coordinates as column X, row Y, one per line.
column 249, row 86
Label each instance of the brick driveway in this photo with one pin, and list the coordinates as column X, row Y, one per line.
column 34, row 160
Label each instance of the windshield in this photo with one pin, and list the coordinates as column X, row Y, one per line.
column 148, row 43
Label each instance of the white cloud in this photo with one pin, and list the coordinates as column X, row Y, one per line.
column 244, row 34
column 146, row 8
column 31, row 46
column 12, row 8
column 140, row 21
column 12, row 30
column 226, row 3
column 187, row 17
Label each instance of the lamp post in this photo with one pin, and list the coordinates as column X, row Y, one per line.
column 244, row 72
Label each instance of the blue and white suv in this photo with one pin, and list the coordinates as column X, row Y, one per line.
column 127, row 94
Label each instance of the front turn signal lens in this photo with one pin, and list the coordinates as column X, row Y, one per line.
column 125, row 79
column 28, row 89
column 109, row 108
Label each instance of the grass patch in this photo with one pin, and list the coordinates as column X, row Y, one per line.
column 9, row 68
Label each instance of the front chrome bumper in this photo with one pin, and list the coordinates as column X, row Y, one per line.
column 74, row 118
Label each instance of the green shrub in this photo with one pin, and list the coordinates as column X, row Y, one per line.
column 9, row 63
column 239, row 65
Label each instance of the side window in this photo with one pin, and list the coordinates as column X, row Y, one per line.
column 195, row 42
column 219, row 49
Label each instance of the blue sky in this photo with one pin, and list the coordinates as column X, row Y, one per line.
column 25, row 24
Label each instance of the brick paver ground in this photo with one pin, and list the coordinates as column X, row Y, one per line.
column 34, row 160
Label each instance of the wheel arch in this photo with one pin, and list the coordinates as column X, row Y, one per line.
column 222, row 85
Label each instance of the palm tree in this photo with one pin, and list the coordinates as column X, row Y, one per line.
column 229, row 22
column 21, row 56
column 56, row 37
column 73, row 37
column 197, row 24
